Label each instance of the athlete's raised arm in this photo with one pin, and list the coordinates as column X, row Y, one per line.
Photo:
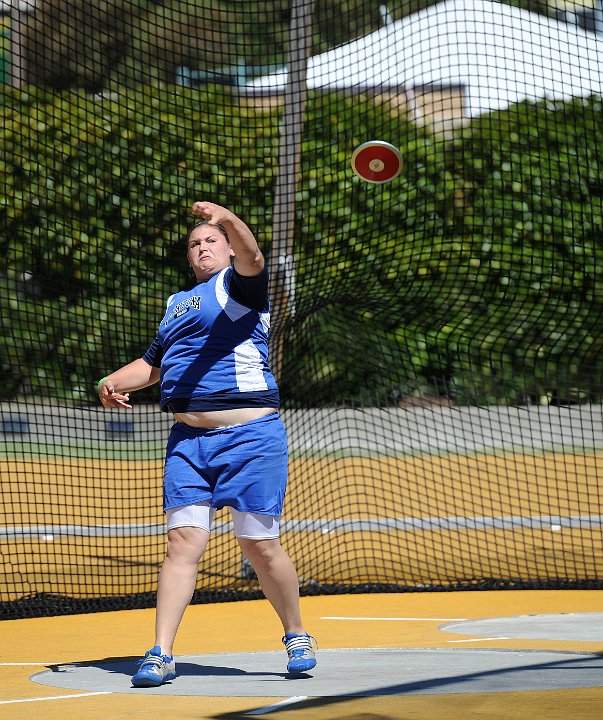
column 248, row 259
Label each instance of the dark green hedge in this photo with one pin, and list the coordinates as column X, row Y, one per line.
column 473, row 275
column 94, row 208
column 482, row 283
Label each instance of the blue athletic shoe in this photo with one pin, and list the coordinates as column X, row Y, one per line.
column 300, row 650
column 155, row 669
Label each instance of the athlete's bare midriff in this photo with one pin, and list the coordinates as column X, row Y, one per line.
column 222, row 418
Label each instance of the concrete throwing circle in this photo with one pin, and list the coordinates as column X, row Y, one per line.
column 586, row 627
column 353, row 672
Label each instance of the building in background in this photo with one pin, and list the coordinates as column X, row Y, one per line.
column 459, row 59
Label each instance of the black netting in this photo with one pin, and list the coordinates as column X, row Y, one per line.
column 437, row 338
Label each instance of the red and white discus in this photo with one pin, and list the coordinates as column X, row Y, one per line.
column 377, row 161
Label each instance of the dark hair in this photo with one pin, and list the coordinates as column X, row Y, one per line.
column 205, row 221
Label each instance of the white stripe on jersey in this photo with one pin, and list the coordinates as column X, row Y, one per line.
column 232, row 308
column 248, row 367
column 265, row 320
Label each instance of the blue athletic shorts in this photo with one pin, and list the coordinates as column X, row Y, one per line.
column 244, row 466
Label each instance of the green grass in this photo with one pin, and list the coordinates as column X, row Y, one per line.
column 115, row 450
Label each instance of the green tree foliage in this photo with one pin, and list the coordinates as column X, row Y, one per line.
column 109, row 44
column 474, row 274
column 94, row 207
column 482, row 285
column 116, row 43
column 533, row 201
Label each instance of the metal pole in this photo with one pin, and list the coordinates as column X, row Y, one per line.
column 281, row 266
column 17, row 65
column 598, row 17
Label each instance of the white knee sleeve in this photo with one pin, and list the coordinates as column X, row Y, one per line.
column 255, row 526
column 246, row 525
column 199, row 515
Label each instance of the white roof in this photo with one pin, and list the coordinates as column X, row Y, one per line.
column 500, row 54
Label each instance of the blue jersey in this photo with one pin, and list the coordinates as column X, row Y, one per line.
column 213, row 349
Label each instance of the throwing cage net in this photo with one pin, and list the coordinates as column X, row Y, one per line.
column 437, row 338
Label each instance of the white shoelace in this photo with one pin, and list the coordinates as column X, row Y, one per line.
column 300, row 642
column 157, row 662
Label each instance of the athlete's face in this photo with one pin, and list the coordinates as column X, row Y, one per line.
column 208, row 251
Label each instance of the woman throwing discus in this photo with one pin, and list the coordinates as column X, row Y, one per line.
column 228, row 446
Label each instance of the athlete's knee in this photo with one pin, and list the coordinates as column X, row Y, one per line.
column 260, row 551
column 186, row 543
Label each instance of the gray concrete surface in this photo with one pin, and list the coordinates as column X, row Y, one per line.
column 390, row 431
column 361, row 672
column 585, row 627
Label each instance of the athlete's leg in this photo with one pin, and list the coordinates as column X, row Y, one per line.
column 278, row 579
column 178, row 577
column 258, row 537
column 257, row 477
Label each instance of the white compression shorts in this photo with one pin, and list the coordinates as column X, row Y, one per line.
column 246, row 524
